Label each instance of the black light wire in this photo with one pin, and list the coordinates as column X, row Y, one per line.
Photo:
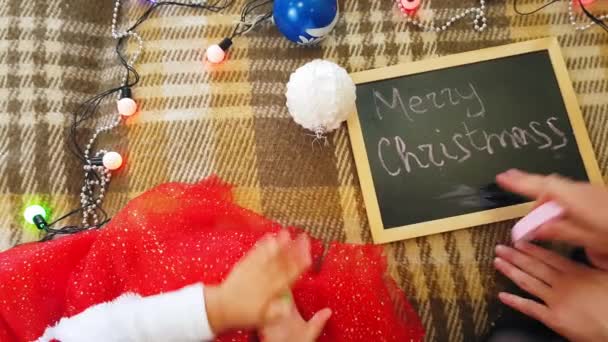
column 90, row 107
column 516, row 9
column 249, row 9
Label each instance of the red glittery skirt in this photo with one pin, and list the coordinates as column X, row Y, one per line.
column 178, row 234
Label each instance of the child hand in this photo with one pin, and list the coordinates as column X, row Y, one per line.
column 575, row 296
column 263, row 274
column 286, row 324
column 586, row 220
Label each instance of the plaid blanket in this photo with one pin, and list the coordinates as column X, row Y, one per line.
column 232, row 121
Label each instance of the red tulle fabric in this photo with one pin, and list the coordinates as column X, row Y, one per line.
column 179, row 234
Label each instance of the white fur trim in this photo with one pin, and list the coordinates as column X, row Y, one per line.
column 173, row 316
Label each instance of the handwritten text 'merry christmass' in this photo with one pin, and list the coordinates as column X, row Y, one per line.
column 464, row 142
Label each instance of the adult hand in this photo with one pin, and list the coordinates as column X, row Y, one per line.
column 585, row 222
column 265, row 273
column 574, row 296
column 286, row 324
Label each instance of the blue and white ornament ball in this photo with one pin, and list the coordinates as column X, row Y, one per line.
column 305, row 22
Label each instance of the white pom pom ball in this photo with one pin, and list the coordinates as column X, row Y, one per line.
column 320, row 96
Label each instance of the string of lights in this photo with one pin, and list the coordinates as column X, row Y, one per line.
column 253, row 14
column 98, row 165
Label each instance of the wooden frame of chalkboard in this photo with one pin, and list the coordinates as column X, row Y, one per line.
column 382, row 234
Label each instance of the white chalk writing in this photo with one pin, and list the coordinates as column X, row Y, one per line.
column 423, row 103
column 469, row 142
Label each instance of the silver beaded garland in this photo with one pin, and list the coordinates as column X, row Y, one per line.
column 126, row 34
column 581, row 27
column 478, row 13
column 97, row 177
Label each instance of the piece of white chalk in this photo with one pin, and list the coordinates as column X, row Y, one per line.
column 544, row 213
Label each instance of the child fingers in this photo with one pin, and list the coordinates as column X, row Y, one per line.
column 266, row 248
column 270, row 247
column 287, row 265
column 531, row 265
column 317, row 323
column 522, row 279
column 296, row 259
column 548, row 257
column 302, row 250
column 278, row 309
column 528, row 307
column 283, row 238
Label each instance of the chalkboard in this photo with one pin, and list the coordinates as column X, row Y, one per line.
column 430, row 137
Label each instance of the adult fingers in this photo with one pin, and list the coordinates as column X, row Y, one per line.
column 549, row 257
column 315, row 326
column 533, row 185
column 528, row 307
column 582, row 201
column 522, row 279
column 531, row 265
column 564, row 230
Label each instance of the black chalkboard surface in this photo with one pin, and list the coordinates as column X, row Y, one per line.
column 433, row 140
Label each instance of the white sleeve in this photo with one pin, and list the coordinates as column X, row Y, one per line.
column 179, row 315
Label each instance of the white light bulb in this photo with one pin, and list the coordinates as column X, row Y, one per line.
column 126, row 106
column 33, row 210
column 112, row 160
column 215, row 54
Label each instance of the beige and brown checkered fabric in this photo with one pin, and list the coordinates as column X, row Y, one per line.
column 232, row 121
